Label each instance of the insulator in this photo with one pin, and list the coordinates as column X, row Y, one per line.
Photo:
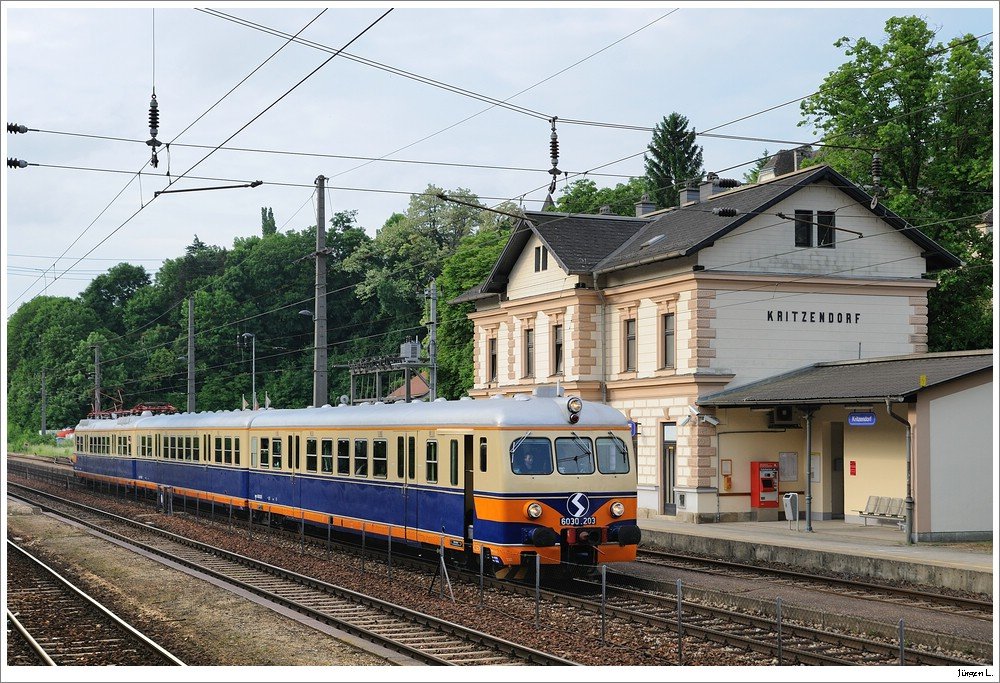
column 729, row 182
column 554, row 150
column 16, row 163
column 725, row 211
column 154, row 117
column 16, row 128
column 876, row 168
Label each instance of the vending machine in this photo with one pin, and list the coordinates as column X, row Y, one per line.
column 763, row 484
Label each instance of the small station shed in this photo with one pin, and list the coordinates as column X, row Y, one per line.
column 917, row 428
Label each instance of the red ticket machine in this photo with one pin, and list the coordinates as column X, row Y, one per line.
column 763, row 484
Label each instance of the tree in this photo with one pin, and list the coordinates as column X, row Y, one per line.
column 267, row 224
column 107, row 294
column 672, row 159
column 407, row 252
column 927, row 108
column 753, row 175
column 583, row 196
column 466, row 268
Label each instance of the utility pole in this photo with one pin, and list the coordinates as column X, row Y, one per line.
column 43, row 401
column 320, row 389
column 190, row 359
column 432, row 339
column 97, row 378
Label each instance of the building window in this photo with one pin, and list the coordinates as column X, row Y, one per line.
column 630, row 345
column 529, row 353
column 492, row 370
column 557, row 349
column 803, row 228
column 541, row 259
column 669, row 336
column 825, row 223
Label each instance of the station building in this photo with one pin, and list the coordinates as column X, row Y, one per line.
column 663, row 315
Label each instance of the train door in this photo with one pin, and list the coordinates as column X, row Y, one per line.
column 469, row 500
column 294, row 464
column 411, row 492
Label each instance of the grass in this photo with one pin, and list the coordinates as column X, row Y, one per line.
column 45, row 450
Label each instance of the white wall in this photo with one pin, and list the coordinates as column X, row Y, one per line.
column 766, row 243
column 525, row 282
column 962, row 461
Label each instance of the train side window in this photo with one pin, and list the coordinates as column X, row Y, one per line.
column 276, row 454
column 482, row 453
column 361, row 457
column 253, row 451
column 129, row 444
column 453, row 462
column 236, row 450
column 574, row 455
column 265, row 452
column 412, row 455
column 432, row 461
column 343, row 457
column 380, row 459
column 327, row 462
column 612, row 456
column 400, row 457
column 218, row 449
column 298, row 451
column 311, row 455
column 531, row 455
column 228, row 450
column 197, row 448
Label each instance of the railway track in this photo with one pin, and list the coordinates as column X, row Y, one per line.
column 422, row 637
column 968, row 607
column 57, row 624
column 796, row 644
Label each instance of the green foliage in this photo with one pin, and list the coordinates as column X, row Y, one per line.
column 409, row 251
column 928, row 108
column 467, row 267
column 267, row 224
column 107, row 294
column 672, row 159
column 753, row 175
column 583, row 196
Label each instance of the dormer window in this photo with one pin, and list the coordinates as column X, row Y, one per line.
column 541, row 259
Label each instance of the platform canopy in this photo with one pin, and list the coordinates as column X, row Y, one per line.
column 871, row 380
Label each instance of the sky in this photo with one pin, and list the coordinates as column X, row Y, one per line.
column 82, row 76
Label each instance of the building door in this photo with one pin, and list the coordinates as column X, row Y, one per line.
column 669, row 467
column 837, row 470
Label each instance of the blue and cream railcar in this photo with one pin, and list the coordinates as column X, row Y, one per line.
column 509, row 478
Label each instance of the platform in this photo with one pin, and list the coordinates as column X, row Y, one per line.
column 877, row 552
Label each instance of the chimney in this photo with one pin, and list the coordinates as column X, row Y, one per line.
column 688, row 194
column 606, row 210
column 708, row 186
column 644, row 206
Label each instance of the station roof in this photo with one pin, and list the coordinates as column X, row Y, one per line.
column 898, row 378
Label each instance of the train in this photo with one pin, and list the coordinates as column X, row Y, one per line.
column 502, row 482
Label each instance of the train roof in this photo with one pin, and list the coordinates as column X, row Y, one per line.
column 520, row 411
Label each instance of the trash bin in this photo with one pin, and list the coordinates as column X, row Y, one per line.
column 791, row 501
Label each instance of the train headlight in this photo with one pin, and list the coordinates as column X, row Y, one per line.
column 617, row 509
column 574, row 405
column 533, row 510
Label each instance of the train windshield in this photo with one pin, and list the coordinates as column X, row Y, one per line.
column 612, row 456
column 531, row 455
column 574, row 455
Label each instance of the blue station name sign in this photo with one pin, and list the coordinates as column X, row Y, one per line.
column 861, row 419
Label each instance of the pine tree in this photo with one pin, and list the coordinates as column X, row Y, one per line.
column 673, row 158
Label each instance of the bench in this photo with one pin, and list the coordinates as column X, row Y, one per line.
column 884, row 507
